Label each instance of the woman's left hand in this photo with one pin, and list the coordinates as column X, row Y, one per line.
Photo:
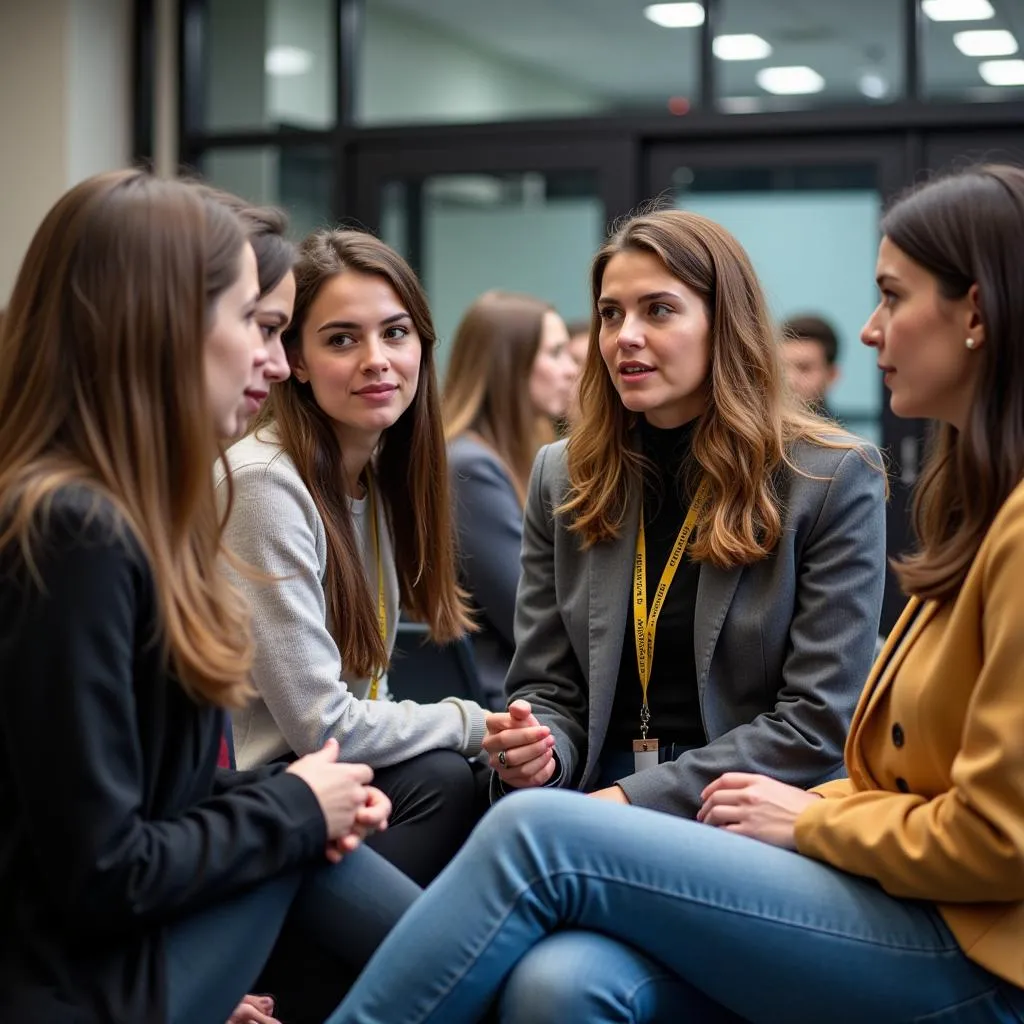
column 755, row 806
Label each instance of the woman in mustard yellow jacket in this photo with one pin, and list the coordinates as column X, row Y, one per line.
column 894, row 895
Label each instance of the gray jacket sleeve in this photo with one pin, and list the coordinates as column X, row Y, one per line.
column 490, row 525
column 545, row 670
column 832, row 634
column 297, row 670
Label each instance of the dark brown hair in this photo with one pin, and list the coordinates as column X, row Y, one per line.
column 267, row 230
column 411, row 467
column 809, row 327
column 487, row 387
column 102, row 385
column 744, row 436
column 967, row 228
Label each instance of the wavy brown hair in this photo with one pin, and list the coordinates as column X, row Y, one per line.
column 411, row 466
column 965, row 229
column 487, row 386
column 743, row 437
column 101, row 385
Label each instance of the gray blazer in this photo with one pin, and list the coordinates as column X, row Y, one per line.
column 782, row 647
column 490, row 530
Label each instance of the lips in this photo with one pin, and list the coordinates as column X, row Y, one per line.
column 633, row 369
column 377, row 389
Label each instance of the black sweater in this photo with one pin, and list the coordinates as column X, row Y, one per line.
column 672, row 693
column 116, row 820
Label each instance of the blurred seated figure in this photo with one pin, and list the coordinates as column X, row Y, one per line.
column 510, row 378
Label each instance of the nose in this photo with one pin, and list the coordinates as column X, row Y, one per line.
column 631, row 333
column 375, row 359
column 277, row 368
column 871, row 332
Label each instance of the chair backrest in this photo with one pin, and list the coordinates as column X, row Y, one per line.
column 426, row 672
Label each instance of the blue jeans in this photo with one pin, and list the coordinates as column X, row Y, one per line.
column 570, row 909
column 215, row 956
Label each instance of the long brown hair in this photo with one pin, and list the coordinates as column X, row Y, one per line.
column 101, row 385
column 742, row 439
column 411, row 466
column 487, row 386
column 966, row 229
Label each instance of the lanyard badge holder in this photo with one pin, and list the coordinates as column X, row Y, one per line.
column 645, row 749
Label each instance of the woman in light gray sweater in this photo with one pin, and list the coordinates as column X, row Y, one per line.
column 341, row 498
column 510, row 378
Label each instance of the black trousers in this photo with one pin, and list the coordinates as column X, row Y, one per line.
column 437, row 798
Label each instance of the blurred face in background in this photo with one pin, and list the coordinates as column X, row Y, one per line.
column 554, row 372
column 807, row 369
column 578, row 344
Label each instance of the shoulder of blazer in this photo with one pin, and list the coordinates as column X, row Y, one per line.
column 465, row 453
column 553, row 461
column 808, row 457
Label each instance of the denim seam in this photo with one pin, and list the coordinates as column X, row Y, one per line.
column 604, row 879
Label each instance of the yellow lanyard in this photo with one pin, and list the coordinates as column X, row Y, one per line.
column 645, row 626
column 382, row 610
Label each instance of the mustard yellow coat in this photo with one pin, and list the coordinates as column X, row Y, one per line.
column 933, row 808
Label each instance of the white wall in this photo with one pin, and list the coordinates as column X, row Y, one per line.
column 65, row 94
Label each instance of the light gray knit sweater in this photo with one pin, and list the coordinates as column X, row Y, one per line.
column 304, row 695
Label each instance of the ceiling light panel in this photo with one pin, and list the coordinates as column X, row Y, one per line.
column 790, row 81
column 741, row 47
column 688, row 15
column 1002, row 72
column 957, row 10
column 985, row 43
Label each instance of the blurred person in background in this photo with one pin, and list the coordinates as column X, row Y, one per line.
column 510, row 379
column 810, row 355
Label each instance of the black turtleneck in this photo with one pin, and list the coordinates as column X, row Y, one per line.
column 672, row 693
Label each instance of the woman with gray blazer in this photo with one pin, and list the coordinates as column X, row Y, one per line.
column 510, row 377
column 703, row 560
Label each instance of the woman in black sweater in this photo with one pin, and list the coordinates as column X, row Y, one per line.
column 139, row 882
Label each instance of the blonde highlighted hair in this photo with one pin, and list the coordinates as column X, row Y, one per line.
column 744, row 436
column 102, row 386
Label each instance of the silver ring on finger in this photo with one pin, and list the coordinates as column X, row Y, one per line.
column 502, row 760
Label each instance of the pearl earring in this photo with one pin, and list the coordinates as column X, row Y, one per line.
column 970, row 342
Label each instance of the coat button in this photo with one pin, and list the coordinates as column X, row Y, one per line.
column 897, row 734
column 901, row 785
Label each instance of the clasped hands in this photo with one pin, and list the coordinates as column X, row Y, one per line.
column 352, row 808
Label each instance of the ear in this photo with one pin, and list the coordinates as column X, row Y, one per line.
column 834, row 373
column 298, row 366
column 975, row 325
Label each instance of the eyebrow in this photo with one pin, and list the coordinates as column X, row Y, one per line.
column 351, row 325
column 645, row 298
column 882, row 278
column 276, row 315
